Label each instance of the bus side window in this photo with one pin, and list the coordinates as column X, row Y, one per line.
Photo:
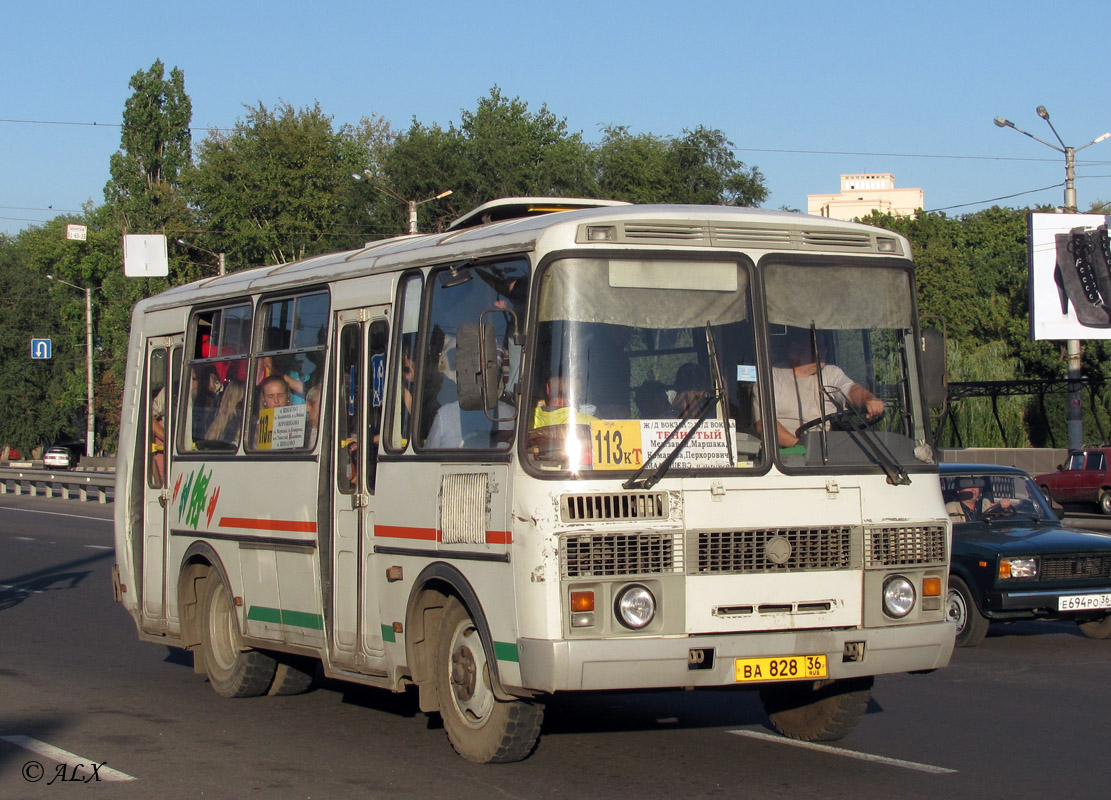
column 376, row 369
column 156, row 419
column 401, row 407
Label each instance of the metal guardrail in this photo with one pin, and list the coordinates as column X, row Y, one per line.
column 58, row 483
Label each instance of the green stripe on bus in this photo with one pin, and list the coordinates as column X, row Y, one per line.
column 506, row 651
column 388, row 634
column 279, row 616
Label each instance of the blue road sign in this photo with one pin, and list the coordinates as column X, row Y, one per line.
column 42, row 349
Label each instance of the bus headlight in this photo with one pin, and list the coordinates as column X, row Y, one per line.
column 898, row 596
column 635, row 607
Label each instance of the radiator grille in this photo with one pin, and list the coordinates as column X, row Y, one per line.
column 1075, row 568
column 604, row 555
column 619, row 506
column 904, row 546
column 775, row 550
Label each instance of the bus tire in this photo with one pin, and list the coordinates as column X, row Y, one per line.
column 479, row 726
column 822, row 713
column 233, row 669
column 294, row 675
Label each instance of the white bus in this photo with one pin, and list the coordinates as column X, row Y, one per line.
column 527, row 456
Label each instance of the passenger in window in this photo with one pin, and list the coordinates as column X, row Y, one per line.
column 158, row 437
column 312, row 413
column 562, row 405
column 205, row 388
column 652, row 402
column 274, row 392
column 799, row 399
column 225, row 426
column 691, row 389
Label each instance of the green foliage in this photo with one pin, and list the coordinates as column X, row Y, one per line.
column 274, row 189
column 156, row 152
column 37, row 396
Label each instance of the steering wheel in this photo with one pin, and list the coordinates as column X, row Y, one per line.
column 843, row 420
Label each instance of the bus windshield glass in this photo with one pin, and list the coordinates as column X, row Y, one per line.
column 845, row 388
column 624, row 372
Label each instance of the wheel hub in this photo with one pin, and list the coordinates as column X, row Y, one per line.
column 464, row 673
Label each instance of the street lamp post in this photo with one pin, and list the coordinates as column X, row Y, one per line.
column 1076, row 415
column 412, row 204
column 90, row 426
column 218, row 256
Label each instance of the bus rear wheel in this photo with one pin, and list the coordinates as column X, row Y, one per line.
column 479, row 726
column 817, row 713
column 233, row 669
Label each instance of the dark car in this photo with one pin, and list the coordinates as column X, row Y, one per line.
column 1013, row 559
column 1085, row 477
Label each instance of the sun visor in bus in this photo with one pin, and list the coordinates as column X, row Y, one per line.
column 837, row 298
column 644, row 293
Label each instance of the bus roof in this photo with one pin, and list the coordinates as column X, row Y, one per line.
column 697, row 227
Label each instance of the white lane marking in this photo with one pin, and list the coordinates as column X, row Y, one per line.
column 837, row 751
column 54, row 513
column 65, row 757
column 99, row 547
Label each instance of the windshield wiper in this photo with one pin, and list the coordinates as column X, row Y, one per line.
column 703, row 411
column 661, row 470
column 871, row 444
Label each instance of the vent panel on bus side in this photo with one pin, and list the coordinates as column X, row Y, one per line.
column 464, row 499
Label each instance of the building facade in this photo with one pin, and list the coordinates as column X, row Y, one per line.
column 861, row 194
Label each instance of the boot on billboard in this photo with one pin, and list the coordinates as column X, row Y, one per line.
column 1082, row 278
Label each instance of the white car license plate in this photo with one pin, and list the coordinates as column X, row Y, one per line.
column 1083, row 602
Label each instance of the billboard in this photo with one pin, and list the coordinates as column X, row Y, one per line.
column 144, row 256
column 1070, row 276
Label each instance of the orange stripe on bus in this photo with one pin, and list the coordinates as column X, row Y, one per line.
column 404, row 532
column 285, row 525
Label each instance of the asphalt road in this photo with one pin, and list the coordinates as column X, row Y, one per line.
column 1023, row 715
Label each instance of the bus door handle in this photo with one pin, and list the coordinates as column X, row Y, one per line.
column 163, row 498
column 360, row 500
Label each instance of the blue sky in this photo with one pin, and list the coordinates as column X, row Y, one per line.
column 805, row 90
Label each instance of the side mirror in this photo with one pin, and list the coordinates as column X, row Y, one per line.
column 936, row 387
column 478, row 372
column 1060, row 467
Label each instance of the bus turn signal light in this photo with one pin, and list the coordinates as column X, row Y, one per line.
column 582, row 601
column 931, row 587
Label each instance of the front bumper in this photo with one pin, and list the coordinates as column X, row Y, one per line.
column 659, row 662
column 1037, row 603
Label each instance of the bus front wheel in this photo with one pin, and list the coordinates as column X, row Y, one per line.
column 233, row 669
column 822, row 713
column 479, row 726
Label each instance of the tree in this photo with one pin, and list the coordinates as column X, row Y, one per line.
column 38, row 395
column 155, row 154
column 275, row 189
column 697, row 167
column 501, row 149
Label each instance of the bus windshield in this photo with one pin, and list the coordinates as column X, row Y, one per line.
column 623, row 374
column 657, row 365
column 844, row 370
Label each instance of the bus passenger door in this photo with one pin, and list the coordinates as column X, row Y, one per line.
column 163, row 365
column 356, row 637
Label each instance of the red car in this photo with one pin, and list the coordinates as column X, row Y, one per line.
column 1085, row 477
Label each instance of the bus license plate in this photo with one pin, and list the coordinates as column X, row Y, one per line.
column 1082, row 602
column 782, row 668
